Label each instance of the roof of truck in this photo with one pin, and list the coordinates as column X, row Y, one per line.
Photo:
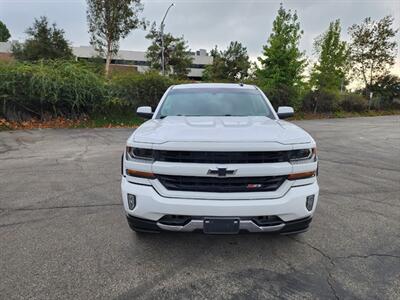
column 214, row 85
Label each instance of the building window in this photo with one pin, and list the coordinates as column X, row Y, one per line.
column 129, row 62
column 197, row 66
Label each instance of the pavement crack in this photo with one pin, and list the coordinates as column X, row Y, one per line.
column 315, row 248
column 22, row 223
column 329, row 277
column 368, row 256
column 331, row 285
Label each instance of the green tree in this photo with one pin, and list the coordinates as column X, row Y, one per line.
column 282, row 63
column 44, row 42
column 215, row 71
column 177, row 55
column 112, row 20
column 332, row 66
column 386, row 88
column 372, row 49
column 4, row 33
column 231, row 64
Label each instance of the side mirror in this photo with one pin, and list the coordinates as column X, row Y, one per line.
column 144, row 112
column 285, row 112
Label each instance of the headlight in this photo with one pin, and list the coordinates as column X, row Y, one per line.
column 139, row 153
column 300, row 155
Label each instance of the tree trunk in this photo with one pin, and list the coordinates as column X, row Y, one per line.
column 4, row 106
column 316, row 105
column 108, row 61
column 41, row 110
column 370, row 87
column 108, row 58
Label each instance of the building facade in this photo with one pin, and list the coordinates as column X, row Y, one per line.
column 137, row 60
column 129, row 60
column 5, row 51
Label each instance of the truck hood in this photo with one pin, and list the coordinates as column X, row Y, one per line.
column 219, row 129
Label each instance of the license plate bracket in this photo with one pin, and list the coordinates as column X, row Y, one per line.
column 221, row 225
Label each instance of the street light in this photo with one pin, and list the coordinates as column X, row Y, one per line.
column 162, row 39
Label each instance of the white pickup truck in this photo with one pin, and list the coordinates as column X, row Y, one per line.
column 217, row 158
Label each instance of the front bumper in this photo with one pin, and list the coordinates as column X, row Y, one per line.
column 151, row 206
column 291, row 227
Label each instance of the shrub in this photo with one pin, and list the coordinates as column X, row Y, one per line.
column 386, row 91
column 382, row 102
column 321, row 101
column 69, row 89
column 281, row 96
column 133, row 90
column 58, row 88
column 353, row 103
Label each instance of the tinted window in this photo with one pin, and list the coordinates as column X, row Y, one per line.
column 214, row 102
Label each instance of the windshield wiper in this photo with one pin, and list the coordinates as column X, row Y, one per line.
column 228, row 115
column 178, row 115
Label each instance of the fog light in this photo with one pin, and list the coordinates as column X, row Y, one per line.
column 131, row 201
column 310, row 202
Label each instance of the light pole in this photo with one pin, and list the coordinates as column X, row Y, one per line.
column 162, row 39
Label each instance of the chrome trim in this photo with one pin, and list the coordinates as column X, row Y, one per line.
column 244, row 225
column 253, row 227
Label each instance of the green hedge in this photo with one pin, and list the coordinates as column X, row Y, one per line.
column 133, row 90
column 353, row 103
column 55, row 88
column 70, row 89
column 324, row 101
column 327, row 101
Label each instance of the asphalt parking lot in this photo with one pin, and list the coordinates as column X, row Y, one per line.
column 63, row 234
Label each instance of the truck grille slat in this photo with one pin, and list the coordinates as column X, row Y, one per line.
column 221, row 185
column 221, row 157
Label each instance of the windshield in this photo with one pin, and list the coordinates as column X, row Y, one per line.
column 214, row 102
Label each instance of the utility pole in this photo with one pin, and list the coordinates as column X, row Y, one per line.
column 162, row 39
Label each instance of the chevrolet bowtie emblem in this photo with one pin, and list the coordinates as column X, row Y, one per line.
column 221, row 172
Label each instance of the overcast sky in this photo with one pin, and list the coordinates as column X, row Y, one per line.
column 205, row 23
